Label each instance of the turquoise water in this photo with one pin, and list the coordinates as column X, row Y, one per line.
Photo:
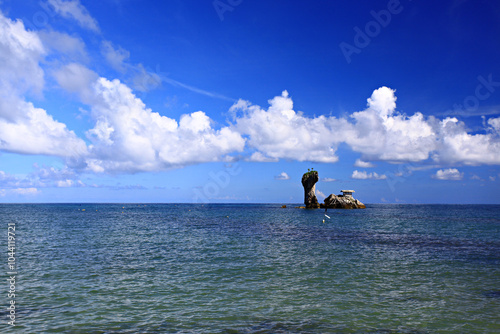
column 135, row 268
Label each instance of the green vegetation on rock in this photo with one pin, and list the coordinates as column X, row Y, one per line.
column 309, row 172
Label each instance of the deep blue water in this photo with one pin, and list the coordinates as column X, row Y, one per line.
column 166, row 268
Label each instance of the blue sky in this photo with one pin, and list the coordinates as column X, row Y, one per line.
column 233, row 100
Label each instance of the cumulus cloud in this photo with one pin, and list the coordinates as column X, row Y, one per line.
column 129, row 137
column 281, row 133
column 378, row 133
column 73, row 9
column 363, row 164
column 495, row 124
column 365, row 176
column 455, row 145
column 282, row 176
column 24, row 128
column 20, row 53
column 449, row 174
column 39, row 133
column 383, row 101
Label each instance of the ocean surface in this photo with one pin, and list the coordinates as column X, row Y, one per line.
column 166, row 268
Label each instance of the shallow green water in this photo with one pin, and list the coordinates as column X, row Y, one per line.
column 254, row 269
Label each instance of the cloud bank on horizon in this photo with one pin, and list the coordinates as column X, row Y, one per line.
column 126, row 136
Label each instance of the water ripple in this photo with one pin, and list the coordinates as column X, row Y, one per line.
column 256, row 269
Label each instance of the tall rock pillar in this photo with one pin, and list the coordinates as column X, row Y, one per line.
column 309, row 180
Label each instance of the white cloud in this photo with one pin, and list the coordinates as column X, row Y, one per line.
column 26, row 191
column 259, row 157
column 381, row 134
column 24, row 128
column 64, row 183
column 20, row 53
column 328, row 179
column 365, row 176
column 46, row 177
column 115, row 56
column 73, row 9
column 69, row 47
column 449, row 174
column 7, row 180
column 39, row 133
column 53, row 177
column 378, row 133
column 282, row 176
column 363, row 164
column 457, row 146
column 495, row 124
column 129, row 137
column 282, row 133
column 76, row 78
column 492, row 178
column 383, row 101
column 69, row 183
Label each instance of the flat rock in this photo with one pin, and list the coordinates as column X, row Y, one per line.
column 342, row 202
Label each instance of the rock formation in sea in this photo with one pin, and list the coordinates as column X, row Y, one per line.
column 309, row 180
column 342, row 202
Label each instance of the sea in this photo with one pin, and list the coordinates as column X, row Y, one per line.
column 249, row 268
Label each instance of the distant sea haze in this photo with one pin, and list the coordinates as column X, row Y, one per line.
column 253, row 268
